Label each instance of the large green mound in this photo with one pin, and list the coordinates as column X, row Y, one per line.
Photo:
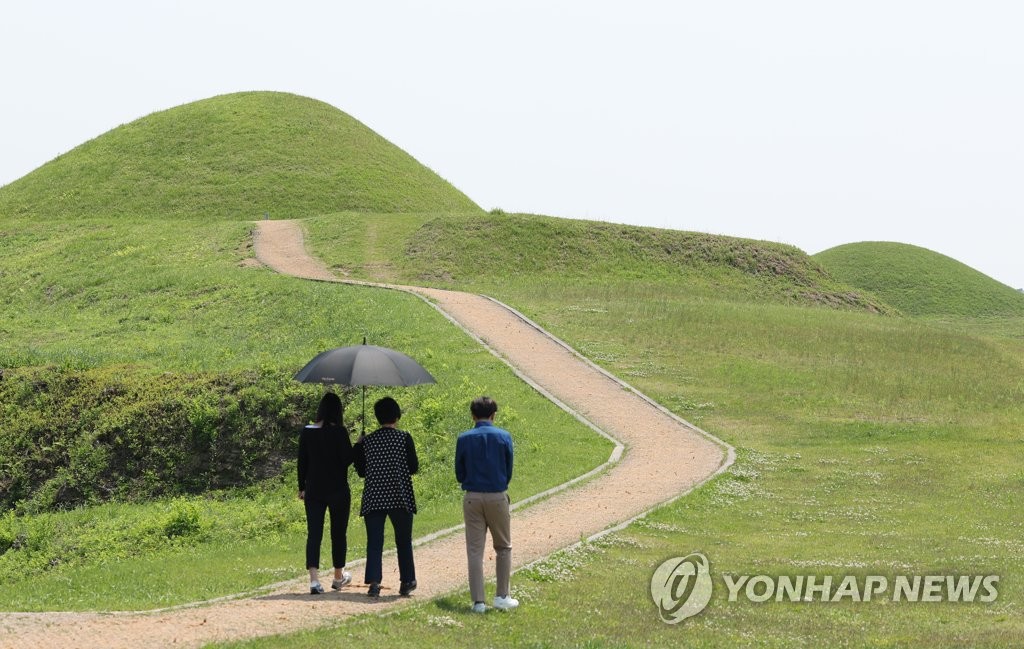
column 235, row 156
column 494, row 252
column 920, row 281
column 567, row 248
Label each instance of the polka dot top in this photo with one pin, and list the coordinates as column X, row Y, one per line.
column 386, row 458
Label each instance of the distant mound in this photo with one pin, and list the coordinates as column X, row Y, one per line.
column 919, row 281
column 234, row 156
column 493, row 247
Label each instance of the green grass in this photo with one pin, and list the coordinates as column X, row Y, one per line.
column 866, row 445
column 159, row 297
column 233, row 157
column 860, row 453
column 83, row 559
column 173, row 296
column 921, row 282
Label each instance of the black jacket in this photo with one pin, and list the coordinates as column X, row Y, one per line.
column 324, row 457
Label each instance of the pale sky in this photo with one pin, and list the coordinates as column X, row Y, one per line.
column 811, row 123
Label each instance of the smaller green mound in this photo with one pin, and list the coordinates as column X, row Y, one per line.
column 487, row 250
column 919, row 281
column 235, row 156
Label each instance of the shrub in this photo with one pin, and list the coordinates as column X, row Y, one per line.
column 74, row 437
column 184, row 520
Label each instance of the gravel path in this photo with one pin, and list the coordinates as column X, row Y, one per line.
column 653, row 464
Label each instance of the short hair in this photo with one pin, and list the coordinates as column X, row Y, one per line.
column 329, row 411
column 387, row 411
column 483, row 407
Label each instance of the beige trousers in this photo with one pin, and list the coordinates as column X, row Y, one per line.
column 482, row 512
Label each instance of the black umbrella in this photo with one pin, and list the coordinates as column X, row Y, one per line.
column 364, row 365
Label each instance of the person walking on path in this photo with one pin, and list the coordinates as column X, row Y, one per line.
column 483, row 464
column 325, row 453
column 386, row 458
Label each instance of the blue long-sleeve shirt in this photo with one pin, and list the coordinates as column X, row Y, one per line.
column 483, row 458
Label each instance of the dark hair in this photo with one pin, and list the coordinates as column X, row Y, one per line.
column 329, row 411
column 387, row 411
column 483, row 407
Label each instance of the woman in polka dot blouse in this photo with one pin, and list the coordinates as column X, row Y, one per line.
column 386, row 459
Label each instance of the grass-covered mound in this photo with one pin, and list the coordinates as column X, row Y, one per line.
column 919, row 281
column 234, row 156
column 494, row 252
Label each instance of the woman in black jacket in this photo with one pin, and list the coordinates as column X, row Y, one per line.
column 325, row 453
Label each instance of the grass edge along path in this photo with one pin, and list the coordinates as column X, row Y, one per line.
column 664, row 457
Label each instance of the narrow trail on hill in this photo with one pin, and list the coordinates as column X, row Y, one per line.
column 650, row 465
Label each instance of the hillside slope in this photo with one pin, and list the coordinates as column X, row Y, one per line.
column 235, row 156
column 919, row 281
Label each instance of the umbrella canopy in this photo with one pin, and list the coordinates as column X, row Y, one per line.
column 364, row 365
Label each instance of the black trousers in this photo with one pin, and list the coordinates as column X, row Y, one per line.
column 401, row 522
column 315, row 511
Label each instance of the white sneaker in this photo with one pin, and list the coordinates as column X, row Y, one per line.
column 479, row 607
column 505, row 603
column 346, row 579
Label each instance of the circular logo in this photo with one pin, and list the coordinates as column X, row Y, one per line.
column 681, row 587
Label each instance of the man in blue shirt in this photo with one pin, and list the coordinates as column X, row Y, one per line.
column 483, row 464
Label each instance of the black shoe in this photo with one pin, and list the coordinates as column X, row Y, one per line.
column 406, row 588
column 374, row 590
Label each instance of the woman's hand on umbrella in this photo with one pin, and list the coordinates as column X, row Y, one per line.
column 302, row 495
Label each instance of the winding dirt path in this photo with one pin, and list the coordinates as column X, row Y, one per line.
column 651, row 465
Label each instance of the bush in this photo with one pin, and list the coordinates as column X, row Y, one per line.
column 74, row 437
column 184, row 520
